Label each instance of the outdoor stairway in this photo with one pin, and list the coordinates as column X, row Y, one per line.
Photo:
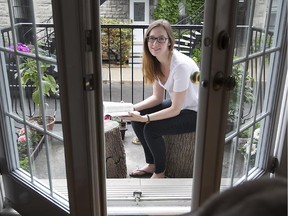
column 187, row 42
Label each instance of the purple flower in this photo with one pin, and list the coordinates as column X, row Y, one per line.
column 21, row 47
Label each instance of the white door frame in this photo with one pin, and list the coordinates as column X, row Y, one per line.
column 147, row 13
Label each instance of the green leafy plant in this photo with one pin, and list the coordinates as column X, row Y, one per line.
column 120, row 41
column 30, row 77
column 235, row 94
column 29, row 74
column 22, row 144
column 168, row 10
column 196, row 55
column 195, row 10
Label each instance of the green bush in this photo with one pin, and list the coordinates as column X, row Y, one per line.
column 196, row 55
column 119, row 47
column 194, row 9
column 168, row 10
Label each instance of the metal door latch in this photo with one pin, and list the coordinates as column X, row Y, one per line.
column 220, row 80
column 88, row 82
column 137, row 195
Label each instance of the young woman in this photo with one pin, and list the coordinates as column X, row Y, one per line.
column 169, row 70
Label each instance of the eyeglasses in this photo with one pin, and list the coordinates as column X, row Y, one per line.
column 160, row 39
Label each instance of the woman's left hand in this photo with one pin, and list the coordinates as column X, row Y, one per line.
column 134, row 116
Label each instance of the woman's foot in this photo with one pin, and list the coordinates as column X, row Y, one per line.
column 145, row 172
column 158, row 175
column 136, row 141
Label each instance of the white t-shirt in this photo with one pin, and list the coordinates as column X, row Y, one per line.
column 181, row 68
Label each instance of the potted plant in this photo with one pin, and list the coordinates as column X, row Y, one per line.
column 29, row 77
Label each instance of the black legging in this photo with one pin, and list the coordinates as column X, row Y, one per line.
column 150, row 135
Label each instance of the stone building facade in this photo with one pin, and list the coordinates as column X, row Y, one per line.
column 110, row 9
column 42, row 8
column 4, row 15
column 115, row 9
column 120, row 9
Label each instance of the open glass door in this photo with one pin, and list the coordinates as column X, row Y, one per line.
column 31, row 103
column 259, row 51
column 251, row 34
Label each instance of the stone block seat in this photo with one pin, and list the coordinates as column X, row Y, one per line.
column 180, row 155
column 115, row 153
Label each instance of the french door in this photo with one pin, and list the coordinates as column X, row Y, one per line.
column 243, row 65
column 228, row 110
column 139, row 15
column 41, row 40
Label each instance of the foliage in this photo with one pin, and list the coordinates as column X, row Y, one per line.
column 194, row 9
column 29, row 76
column 33, row 138
column 119, row 46
column 168, row 10
column 235, row 94
column 196, row 55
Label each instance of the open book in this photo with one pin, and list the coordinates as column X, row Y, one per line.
column 117, row 108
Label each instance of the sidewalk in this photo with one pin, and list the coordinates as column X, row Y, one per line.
column 125, row 72
column 134, row 157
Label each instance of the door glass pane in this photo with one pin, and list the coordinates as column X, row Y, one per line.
column 249, row 107
column 261, row 18
column 32, row 103
column 139, row 11
column 242, row 29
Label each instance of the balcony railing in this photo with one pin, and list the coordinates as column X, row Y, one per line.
column 122, row 76
column 122, row 80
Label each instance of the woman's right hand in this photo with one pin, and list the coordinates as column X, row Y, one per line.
column 135, row 116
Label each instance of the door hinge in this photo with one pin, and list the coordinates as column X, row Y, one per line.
column 274, row 165
column 89, row 82
column 88, row 40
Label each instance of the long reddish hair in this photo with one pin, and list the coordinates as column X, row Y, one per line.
column 150, row 65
